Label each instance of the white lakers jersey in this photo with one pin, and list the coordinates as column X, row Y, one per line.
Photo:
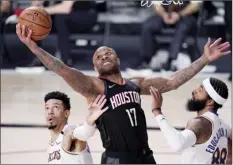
column 215, row 150
column 57, row 155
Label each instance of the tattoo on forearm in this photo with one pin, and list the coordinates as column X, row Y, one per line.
column 49, row 61
column 162, row 84
column 178, row 79
column 182, row 76
column 77, row 80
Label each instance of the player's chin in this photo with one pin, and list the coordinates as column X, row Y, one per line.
column 51, row 126
column 108, row 70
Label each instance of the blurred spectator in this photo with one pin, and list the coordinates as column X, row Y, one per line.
column 80, row 14
column 228, row 21
column 16, row 7
column 10, row 10
column 183, row 17
column 5, row 11
column 5, row 6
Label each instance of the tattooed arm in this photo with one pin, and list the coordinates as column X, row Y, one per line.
column 178, row 79
column 195, row 133
column 211, row 53
column 201, row 127
column 83, row 84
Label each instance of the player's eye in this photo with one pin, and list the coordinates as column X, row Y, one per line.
column 46, row 108
column 56, row 106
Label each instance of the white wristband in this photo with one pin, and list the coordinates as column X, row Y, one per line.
column 84, row 132
column 159, row 118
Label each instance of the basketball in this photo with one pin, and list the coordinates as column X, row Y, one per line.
column 38, row 20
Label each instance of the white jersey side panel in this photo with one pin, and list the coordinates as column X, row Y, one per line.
column 57, row 155
column 215, row 150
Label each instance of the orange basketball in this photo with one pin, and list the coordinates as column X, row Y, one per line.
column 38, row 20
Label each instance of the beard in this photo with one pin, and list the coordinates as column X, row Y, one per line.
column 108, row 72
column 195, row 105
column 51, row 127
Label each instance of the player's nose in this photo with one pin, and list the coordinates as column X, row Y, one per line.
column 50, row 111
column 104, row 57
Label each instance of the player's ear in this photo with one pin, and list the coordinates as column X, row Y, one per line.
column 67, row 113
column 210, row 103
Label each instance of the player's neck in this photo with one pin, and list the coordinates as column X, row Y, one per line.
column 206, row 109
column 116, row 78
column 56, row 132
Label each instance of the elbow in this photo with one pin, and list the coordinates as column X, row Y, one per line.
column 83, row 133
column 177, row 147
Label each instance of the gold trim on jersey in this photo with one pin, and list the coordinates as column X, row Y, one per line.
column 77, row 153
column 68, row 152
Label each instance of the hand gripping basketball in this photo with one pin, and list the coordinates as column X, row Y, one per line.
column 25, row 37
column 38, row 20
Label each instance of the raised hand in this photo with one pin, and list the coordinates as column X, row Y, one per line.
column 216, row 50
column 157, row 98
column 95, row 109
column 24, row 35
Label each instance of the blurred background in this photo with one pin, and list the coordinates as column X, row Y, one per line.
column 147, row 42
column 135, row 29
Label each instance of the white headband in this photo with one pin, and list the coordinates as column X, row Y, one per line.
column 211, row 91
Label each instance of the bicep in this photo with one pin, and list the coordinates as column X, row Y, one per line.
column 201, row 127
column 160, row 83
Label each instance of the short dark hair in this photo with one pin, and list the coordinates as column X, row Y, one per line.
column 221, row 88
column 59, row 96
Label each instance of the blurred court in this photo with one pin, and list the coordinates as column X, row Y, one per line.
column 22, row 103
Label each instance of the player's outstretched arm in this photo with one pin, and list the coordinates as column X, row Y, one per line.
column 211, row 53
column 87, row 130
column 180, row 140
column 81, row 83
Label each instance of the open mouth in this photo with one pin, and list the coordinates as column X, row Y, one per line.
column 106, row 63
column 50, row 119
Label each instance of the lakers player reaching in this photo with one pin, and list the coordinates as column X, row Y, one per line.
column 206, row 137
column 123, row 126
column 68, row 142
